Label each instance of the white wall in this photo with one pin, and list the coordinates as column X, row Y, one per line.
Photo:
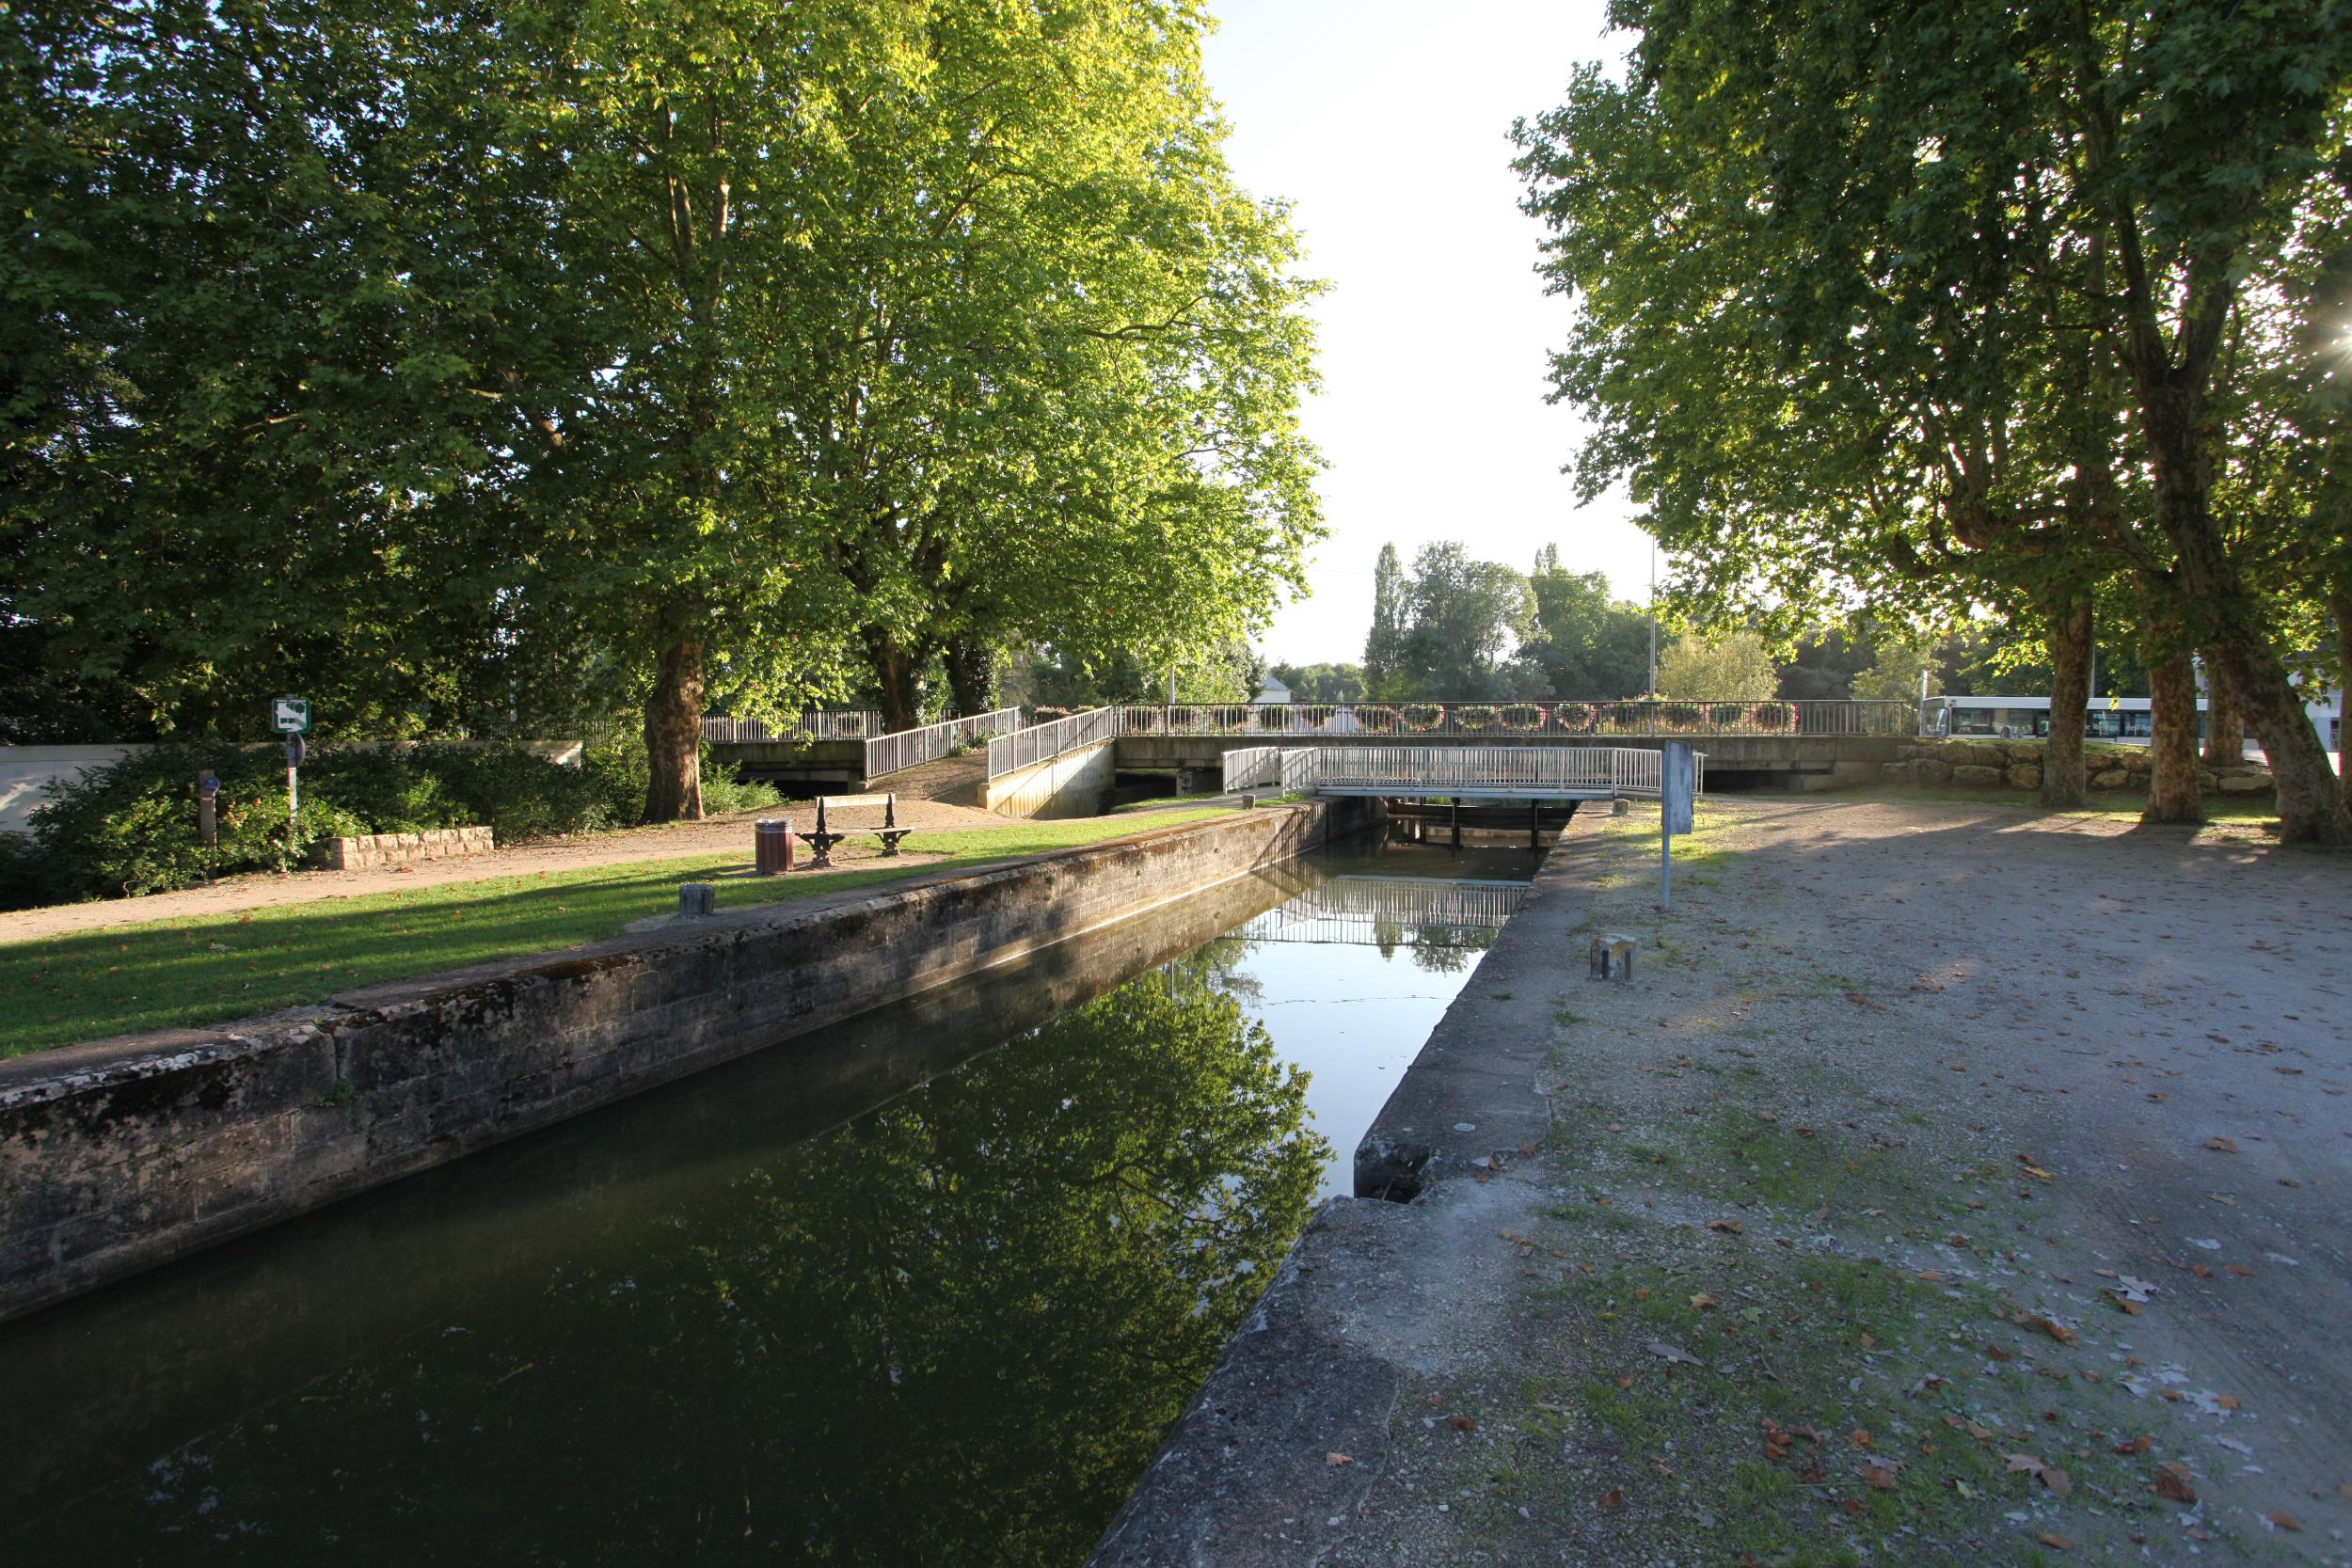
column 24, row 769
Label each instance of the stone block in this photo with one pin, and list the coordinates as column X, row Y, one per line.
column 2248, row 783
column 1977, row 776
column 1932, row 771
column 2024, row 775
column 1612, row 957
column 2112, row 778
column 697, row 900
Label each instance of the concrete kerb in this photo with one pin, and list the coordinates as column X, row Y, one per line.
column 1271, row 1461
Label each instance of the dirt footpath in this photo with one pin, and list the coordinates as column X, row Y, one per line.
column 675, row 840
column 1955, row 1186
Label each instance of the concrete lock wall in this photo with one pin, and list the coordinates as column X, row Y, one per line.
column 119, row 1155
column 25, row 772
column 1070, row 785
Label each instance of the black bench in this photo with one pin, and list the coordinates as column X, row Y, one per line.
column 825, row 837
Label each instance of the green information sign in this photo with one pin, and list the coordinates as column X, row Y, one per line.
column 290, row 715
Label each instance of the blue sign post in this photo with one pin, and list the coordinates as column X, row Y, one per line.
column 1677, row 788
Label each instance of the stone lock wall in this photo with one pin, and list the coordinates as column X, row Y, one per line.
column 118, row 1155
column 2016, row 764
column 375, row 851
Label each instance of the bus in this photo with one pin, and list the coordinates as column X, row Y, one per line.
column 2120, row 718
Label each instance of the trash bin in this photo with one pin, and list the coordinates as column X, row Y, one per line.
column 771, row 846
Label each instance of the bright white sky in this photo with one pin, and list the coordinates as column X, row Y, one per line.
column 1386, row 123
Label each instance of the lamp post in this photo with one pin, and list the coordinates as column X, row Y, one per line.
column 1653, row 619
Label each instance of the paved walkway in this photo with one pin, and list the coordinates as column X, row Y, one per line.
column 1955, row 1186
column 677, row 841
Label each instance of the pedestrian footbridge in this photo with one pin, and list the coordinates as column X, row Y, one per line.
column 1453, row 773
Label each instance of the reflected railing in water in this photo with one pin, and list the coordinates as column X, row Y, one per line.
column 1356, row 910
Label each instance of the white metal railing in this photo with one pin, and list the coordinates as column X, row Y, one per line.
column 1451, row 769
column 1648, row 718
column 1281, row 769
column 889, row 753
column 1009, row 753
column 855, row 724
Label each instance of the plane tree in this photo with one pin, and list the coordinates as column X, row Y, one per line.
column 1900, row 311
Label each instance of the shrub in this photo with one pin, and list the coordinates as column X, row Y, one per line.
column 131, row 826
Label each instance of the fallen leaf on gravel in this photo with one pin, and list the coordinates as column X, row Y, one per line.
column 1733, row 1227
column 2137, row 1445
column 2052, row 1539
column 1339, row 1459
column 2284, row 1520
column 2172, row 1481
column 1463, row 1423
column 2221, row 1146
column 2059, row 1332
column 1862, row 1439
column 1612, row 1498
column 1659, row 1347
column 1701, row 1301
column 1879, row 1475
column 1627, row 1380
column 2225, row 1402
column 2237, row 1271
column 1852, row 1505
column 2035, row 1171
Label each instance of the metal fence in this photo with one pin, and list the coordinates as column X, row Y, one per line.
column 889, row 753
column 1465, row 721
column 1451, row 769
column 851, row 723
column 1022, row 748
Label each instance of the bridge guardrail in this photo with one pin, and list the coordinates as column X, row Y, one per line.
column 1665, row 718
column 890, row 752
column 1022, row 748
column 1444, row 770
column 859, row 723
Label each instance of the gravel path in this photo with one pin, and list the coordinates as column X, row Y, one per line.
column 1956, row 1185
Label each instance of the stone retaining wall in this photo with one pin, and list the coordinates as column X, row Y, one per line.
column 118, row 1155
column 375, row 851
column 2016, row 764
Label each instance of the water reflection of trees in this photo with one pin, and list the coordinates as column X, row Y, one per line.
column 1436, row 949
column 951, row 1332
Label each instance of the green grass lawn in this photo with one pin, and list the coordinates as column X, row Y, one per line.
column 121, row 979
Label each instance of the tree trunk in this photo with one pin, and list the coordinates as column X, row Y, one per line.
column 2062, row 785
column 2225, row 726
column 972, row 677
column 2231, row 619
column 2175, row 790
column 674, row 732
column 898, row 674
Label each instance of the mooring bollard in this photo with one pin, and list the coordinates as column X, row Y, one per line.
column 771, row 846
column 1612, row 957
column 697, row 901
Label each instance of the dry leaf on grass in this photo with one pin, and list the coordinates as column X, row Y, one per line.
column 1733, row 1227
column 1879, row 1475
column 2282, row 1519
column 1337, row 1458
column 2172, row 1481
column 2221, row 1146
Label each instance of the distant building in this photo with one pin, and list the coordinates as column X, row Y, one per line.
column 1272, row 692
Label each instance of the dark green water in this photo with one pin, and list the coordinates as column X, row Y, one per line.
column 924, row 1290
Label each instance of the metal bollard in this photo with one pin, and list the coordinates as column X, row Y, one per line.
column 771, row 846
column 697, row 901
